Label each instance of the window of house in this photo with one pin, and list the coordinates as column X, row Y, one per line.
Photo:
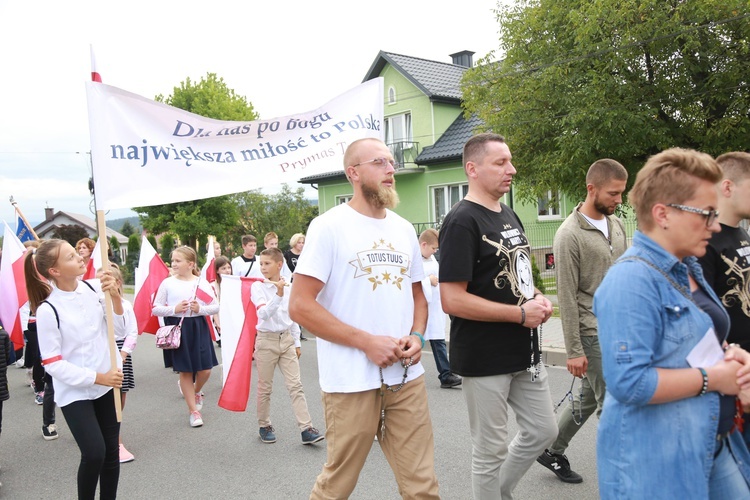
column 398, row 128
column 391, row 95
column 444, row 197
column 548, row 205
column 343, row 199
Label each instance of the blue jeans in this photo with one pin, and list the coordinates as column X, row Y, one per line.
column 441, row 359
column 726, row 480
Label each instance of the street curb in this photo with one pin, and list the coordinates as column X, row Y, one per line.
column 554, row 356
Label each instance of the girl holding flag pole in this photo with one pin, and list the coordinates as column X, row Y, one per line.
column 180, row 297
column 74, row 348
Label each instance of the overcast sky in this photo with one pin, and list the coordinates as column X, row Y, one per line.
column 285, row 57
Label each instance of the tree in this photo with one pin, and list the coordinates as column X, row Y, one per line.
column 211, row 97
column 134, row 252
column 167, row 245
column 71, row 233
column 285, row 213
column 114, row 246
column 127, row 229
column 621, row 79
column 194, row 220
column 191, row 220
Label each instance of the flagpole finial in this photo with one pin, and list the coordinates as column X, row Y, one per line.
column 12, row 201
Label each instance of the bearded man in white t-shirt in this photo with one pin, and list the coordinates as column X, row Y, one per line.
column 357, row 287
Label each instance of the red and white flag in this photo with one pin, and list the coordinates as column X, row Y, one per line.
column 12, row 286
column 238, row 323
column 95, row 76
column 205, row 293
column 149, row 274
column 208, row 273
column 95, row 262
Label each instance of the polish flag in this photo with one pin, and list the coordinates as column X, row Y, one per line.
column 95, row 262
column 12, row 286
column 206, row 295
column 149, row 274
column 95, row 76
column 238, row 322
column 208, row 272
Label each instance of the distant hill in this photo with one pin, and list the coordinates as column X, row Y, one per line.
column 117, row 224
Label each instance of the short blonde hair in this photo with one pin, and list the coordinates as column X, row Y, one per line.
column 269, row 236
column 736, row 165
column 671, row 176
column 351, row 155
column 295, row 239
column 429, row 236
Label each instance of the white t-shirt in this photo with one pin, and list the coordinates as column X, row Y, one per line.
column 240, row 267
column 600, row 224
column 367, row 266
column 436, row 317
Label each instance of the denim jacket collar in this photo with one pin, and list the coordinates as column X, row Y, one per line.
column 668, row 262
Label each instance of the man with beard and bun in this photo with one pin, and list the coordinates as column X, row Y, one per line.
column 486, row 284
column 357, row 287
column 585, row 246
column 726, row 265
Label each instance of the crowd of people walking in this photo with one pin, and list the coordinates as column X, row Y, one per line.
column 655, row 327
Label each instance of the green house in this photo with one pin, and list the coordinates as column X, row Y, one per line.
column 425, row 129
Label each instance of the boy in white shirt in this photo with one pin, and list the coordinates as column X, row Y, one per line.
column 277, row 336
column 246, row 264
column 435, row 330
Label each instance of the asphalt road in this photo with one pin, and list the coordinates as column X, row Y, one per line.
column 226, row 459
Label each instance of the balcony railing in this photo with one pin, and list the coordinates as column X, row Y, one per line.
column 405, row 153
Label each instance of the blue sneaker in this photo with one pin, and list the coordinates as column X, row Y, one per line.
column 311, row 435
column 267, row 435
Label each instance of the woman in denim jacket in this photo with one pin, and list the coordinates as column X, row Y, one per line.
column 665, row 430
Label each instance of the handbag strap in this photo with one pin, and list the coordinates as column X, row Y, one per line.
column 195, row 294
column 683, row 290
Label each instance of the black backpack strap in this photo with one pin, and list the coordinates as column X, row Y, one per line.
column 57, row 316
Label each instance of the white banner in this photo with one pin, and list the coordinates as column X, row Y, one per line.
column 147, row 153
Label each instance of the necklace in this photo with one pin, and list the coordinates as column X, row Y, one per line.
column 535, row 366
column 384, row 387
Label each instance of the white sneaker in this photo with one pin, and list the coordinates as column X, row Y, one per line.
column 19, row 363
column 195, row 419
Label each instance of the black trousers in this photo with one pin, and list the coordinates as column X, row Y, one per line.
column 33, row 359
column 48, row 405
column 94, row 426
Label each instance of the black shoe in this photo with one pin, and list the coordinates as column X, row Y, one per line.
column 560, row 466
column 451, row 381
column 302, row 337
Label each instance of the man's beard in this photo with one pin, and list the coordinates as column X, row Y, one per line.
column 380, row 196
column 603, row 209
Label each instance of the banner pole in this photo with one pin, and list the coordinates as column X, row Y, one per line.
column 113, row 351
column 20, row 214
